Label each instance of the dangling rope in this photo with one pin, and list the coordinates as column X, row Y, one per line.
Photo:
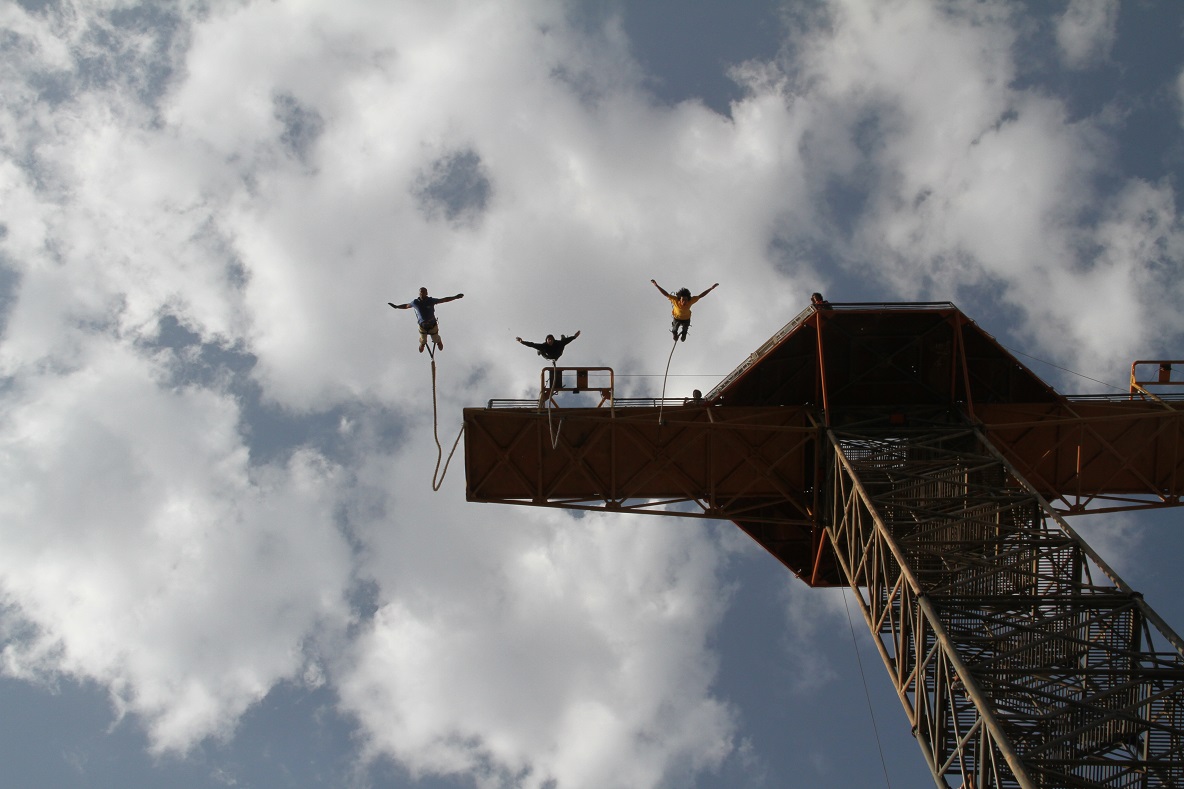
column 551, row 407
column 554, row 431
column 665, row 375
column 436, row 483
column 866, row 693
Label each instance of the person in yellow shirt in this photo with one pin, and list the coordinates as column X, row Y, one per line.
column 680, row 304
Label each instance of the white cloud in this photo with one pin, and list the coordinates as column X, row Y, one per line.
column 269, row 196
column 971, row 184
column 589, row 196
column 204, row 213
column 542, row 647
column 1086, row 31
column 148, row 556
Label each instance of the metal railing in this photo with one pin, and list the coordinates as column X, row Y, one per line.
column 532, row 404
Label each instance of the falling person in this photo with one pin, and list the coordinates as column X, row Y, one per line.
column 550, row 349
column 425, row 316
column 681, row 308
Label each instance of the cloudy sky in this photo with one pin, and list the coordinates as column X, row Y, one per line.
column 222, row 562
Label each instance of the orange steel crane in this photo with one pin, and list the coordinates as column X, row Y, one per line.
column 899, row 450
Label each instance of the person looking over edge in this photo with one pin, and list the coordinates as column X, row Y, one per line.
column 425, row 315
column 681, row 308
column 550, row 349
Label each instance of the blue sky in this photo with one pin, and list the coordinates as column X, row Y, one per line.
column 222, row 562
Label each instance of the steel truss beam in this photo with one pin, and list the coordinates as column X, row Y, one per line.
column 1021, row 659
column 750, row 464
column 1094, row 456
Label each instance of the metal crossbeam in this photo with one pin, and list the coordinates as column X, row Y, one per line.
column 729, row 465
column 1094, row 455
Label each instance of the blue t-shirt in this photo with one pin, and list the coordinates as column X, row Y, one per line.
column 425, row 309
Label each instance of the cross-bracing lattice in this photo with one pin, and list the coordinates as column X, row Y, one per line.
column 1020, row 658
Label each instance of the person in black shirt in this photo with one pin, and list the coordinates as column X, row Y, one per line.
column 551, row 349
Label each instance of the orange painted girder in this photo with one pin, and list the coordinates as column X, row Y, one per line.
column 1091, row 448
column 716, row 456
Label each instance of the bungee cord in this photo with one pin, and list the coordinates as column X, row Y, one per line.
column 662, row 400
column 436, row 483
column 554, row 429
column 551, row 407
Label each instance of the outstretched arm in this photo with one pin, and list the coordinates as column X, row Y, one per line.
column 451, row 298
column 704, row 293
column 538, row 346
column 400, row 306
column 660, row 288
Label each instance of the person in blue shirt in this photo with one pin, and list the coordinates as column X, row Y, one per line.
column 425, row 316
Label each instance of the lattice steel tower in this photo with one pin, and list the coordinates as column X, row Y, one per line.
column 897, row 449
